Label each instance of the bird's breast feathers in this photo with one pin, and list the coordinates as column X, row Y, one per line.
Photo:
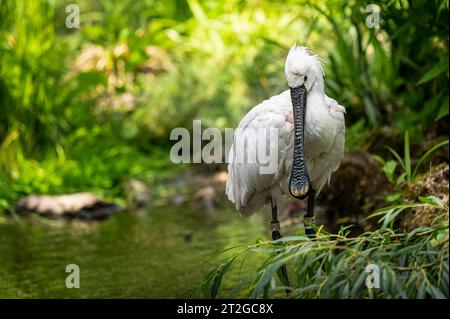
column 324, row 146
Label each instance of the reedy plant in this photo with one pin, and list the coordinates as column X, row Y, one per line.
column 412, row 264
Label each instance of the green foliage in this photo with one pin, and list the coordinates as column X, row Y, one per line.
column 89, row 108
column 104, row 169
column 388, row 167
column 371, row 70
column 434, row 72
column 412, row 264
column 134, row 70
column 409, row 173
column 30, row 97
column 390, row 213
column 357, row 134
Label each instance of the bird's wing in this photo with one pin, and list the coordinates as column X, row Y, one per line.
column 331, row 160
column 247, row 187
column 334, row 106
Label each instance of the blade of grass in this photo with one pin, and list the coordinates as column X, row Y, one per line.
column 428, row 153
column 407, row 157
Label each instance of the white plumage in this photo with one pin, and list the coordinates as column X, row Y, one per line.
column 324, row 138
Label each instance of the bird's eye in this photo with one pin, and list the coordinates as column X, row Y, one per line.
column 305, row 78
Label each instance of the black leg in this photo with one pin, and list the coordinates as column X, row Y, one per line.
column 275, row 223
column 309, row 217
column 277, row 235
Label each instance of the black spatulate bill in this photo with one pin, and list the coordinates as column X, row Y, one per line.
column 299, row 184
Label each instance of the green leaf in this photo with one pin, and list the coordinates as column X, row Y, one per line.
column 407, row 157
column 390, row 217
column 389, row 169
column 281, row 277
column 392, row 208
column 417, row 231
column 240, row 285
column 272, row 265
column 397, row 157
column 401, row 178
column 435, row 292
column 379, row 212
column 359, row 285
column 443, row 110
column 428, row 153
column 216, row 279
column 421, row 293
column 432, row 200
column 371, row 111
column 385, row 282
column 401, row 292
column 197, row 10
column 393, row 197
column 379, row 159
column 436, row 70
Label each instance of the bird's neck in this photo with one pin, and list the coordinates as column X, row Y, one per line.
column 318, row 87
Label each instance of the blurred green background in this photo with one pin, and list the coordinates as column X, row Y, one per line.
column 88, row 109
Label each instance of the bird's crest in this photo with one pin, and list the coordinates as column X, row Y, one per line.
column 300, row 60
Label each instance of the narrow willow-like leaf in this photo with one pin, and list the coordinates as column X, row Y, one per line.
column 407, row 156
column 427, row 154
column 435, row 71
column 216, row 279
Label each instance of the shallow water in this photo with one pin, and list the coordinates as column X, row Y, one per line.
column 163, row 253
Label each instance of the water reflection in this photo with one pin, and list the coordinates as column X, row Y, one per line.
column 159, row 254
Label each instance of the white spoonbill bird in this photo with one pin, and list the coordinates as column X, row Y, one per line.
column 311, row 137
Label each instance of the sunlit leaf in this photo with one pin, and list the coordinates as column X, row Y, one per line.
column 432, row 200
